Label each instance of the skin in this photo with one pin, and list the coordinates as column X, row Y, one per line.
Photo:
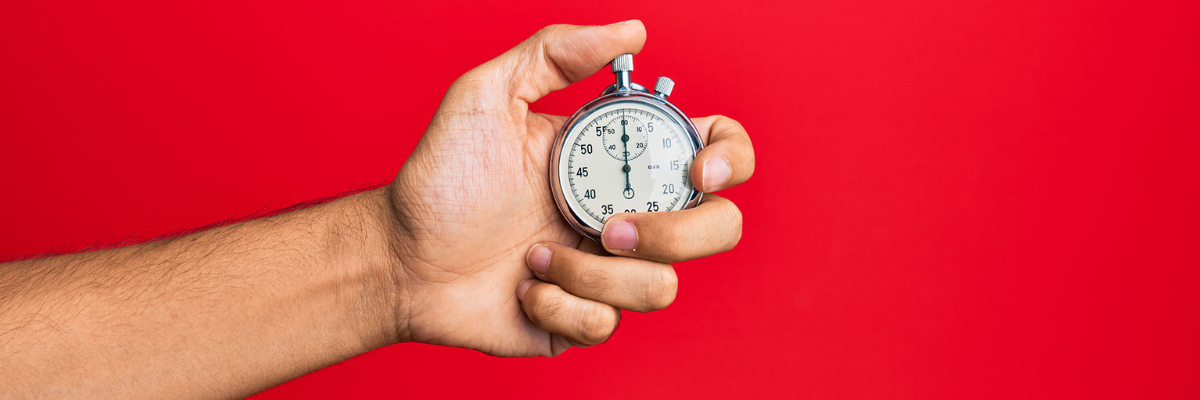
column 465, row 248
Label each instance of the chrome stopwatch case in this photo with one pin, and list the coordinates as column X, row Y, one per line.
column 628, row 151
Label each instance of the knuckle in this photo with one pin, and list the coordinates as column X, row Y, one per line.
column 671, row 238
column 461, row 83
column 730, row 128
column 467, row 84
column 545, row 307
column 729, row 124
column 595, row 281
column 734, row 215
column 736, row 125
column 470, row 77
column 549, row 31
column 661, row 288
column 598, row 324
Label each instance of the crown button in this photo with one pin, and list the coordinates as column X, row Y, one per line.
column 664, row 86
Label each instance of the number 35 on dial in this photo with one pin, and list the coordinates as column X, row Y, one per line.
column 628, row 151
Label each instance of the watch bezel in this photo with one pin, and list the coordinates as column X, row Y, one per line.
column 610, row 96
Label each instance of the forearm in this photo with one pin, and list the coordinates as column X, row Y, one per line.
column 220, row 313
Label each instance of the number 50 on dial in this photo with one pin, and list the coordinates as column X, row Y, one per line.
column 628, row 151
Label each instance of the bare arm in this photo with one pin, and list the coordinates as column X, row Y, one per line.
column 465, row 248
column 222, row 313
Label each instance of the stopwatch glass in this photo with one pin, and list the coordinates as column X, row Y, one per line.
column 625, row 157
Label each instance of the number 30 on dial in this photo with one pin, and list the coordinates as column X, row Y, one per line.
column 629, row 151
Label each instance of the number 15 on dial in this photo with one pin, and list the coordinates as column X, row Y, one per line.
column 627, row 151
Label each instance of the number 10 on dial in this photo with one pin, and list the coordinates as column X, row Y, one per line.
column 628, row 151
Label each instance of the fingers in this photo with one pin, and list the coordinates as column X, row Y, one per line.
column 588, row 246
column 727, row 160
column 628, row 283
column 582, row 321
column 558, row 55
column 712, row 227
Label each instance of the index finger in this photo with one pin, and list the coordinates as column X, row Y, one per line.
column 728, row 158
column 712, row 227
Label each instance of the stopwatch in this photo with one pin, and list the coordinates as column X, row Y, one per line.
column 627, row 151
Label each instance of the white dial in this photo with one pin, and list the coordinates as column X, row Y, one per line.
column 625, row 156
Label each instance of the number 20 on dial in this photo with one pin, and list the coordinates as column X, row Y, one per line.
column 627, row 151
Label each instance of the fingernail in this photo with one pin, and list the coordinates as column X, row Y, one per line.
column 621, row 23
column 539, row 259
column 619, row 234
column 715, row 173
column 522, row 288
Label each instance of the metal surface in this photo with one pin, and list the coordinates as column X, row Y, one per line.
column 620, row 91
column 623, row 62
column 664, row 86
column 622, row 67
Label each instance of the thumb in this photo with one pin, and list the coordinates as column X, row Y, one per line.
column 559, row 55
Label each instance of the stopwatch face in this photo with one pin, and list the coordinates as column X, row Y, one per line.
column 625, row 156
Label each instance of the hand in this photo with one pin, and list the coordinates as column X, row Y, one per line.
column 478, row 223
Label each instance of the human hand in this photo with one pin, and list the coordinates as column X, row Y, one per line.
column 487, row 262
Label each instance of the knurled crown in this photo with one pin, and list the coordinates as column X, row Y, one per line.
column 623, row 62
column 664, row 85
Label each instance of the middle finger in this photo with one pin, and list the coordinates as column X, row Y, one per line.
column 628, row 283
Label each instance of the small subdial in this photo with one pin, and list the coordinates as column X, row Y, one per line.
column 625, row 138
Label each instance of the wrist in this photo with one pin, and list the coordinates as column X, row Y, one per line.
column 362, row 241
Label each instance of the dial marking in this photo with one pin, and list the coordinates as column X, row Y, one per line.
column 654, row 177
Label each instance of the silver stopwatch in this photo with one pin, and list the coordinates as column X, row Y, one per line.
column 627, row 151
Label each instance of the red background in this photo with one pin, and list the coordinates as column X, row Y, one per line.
column 953, row 199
